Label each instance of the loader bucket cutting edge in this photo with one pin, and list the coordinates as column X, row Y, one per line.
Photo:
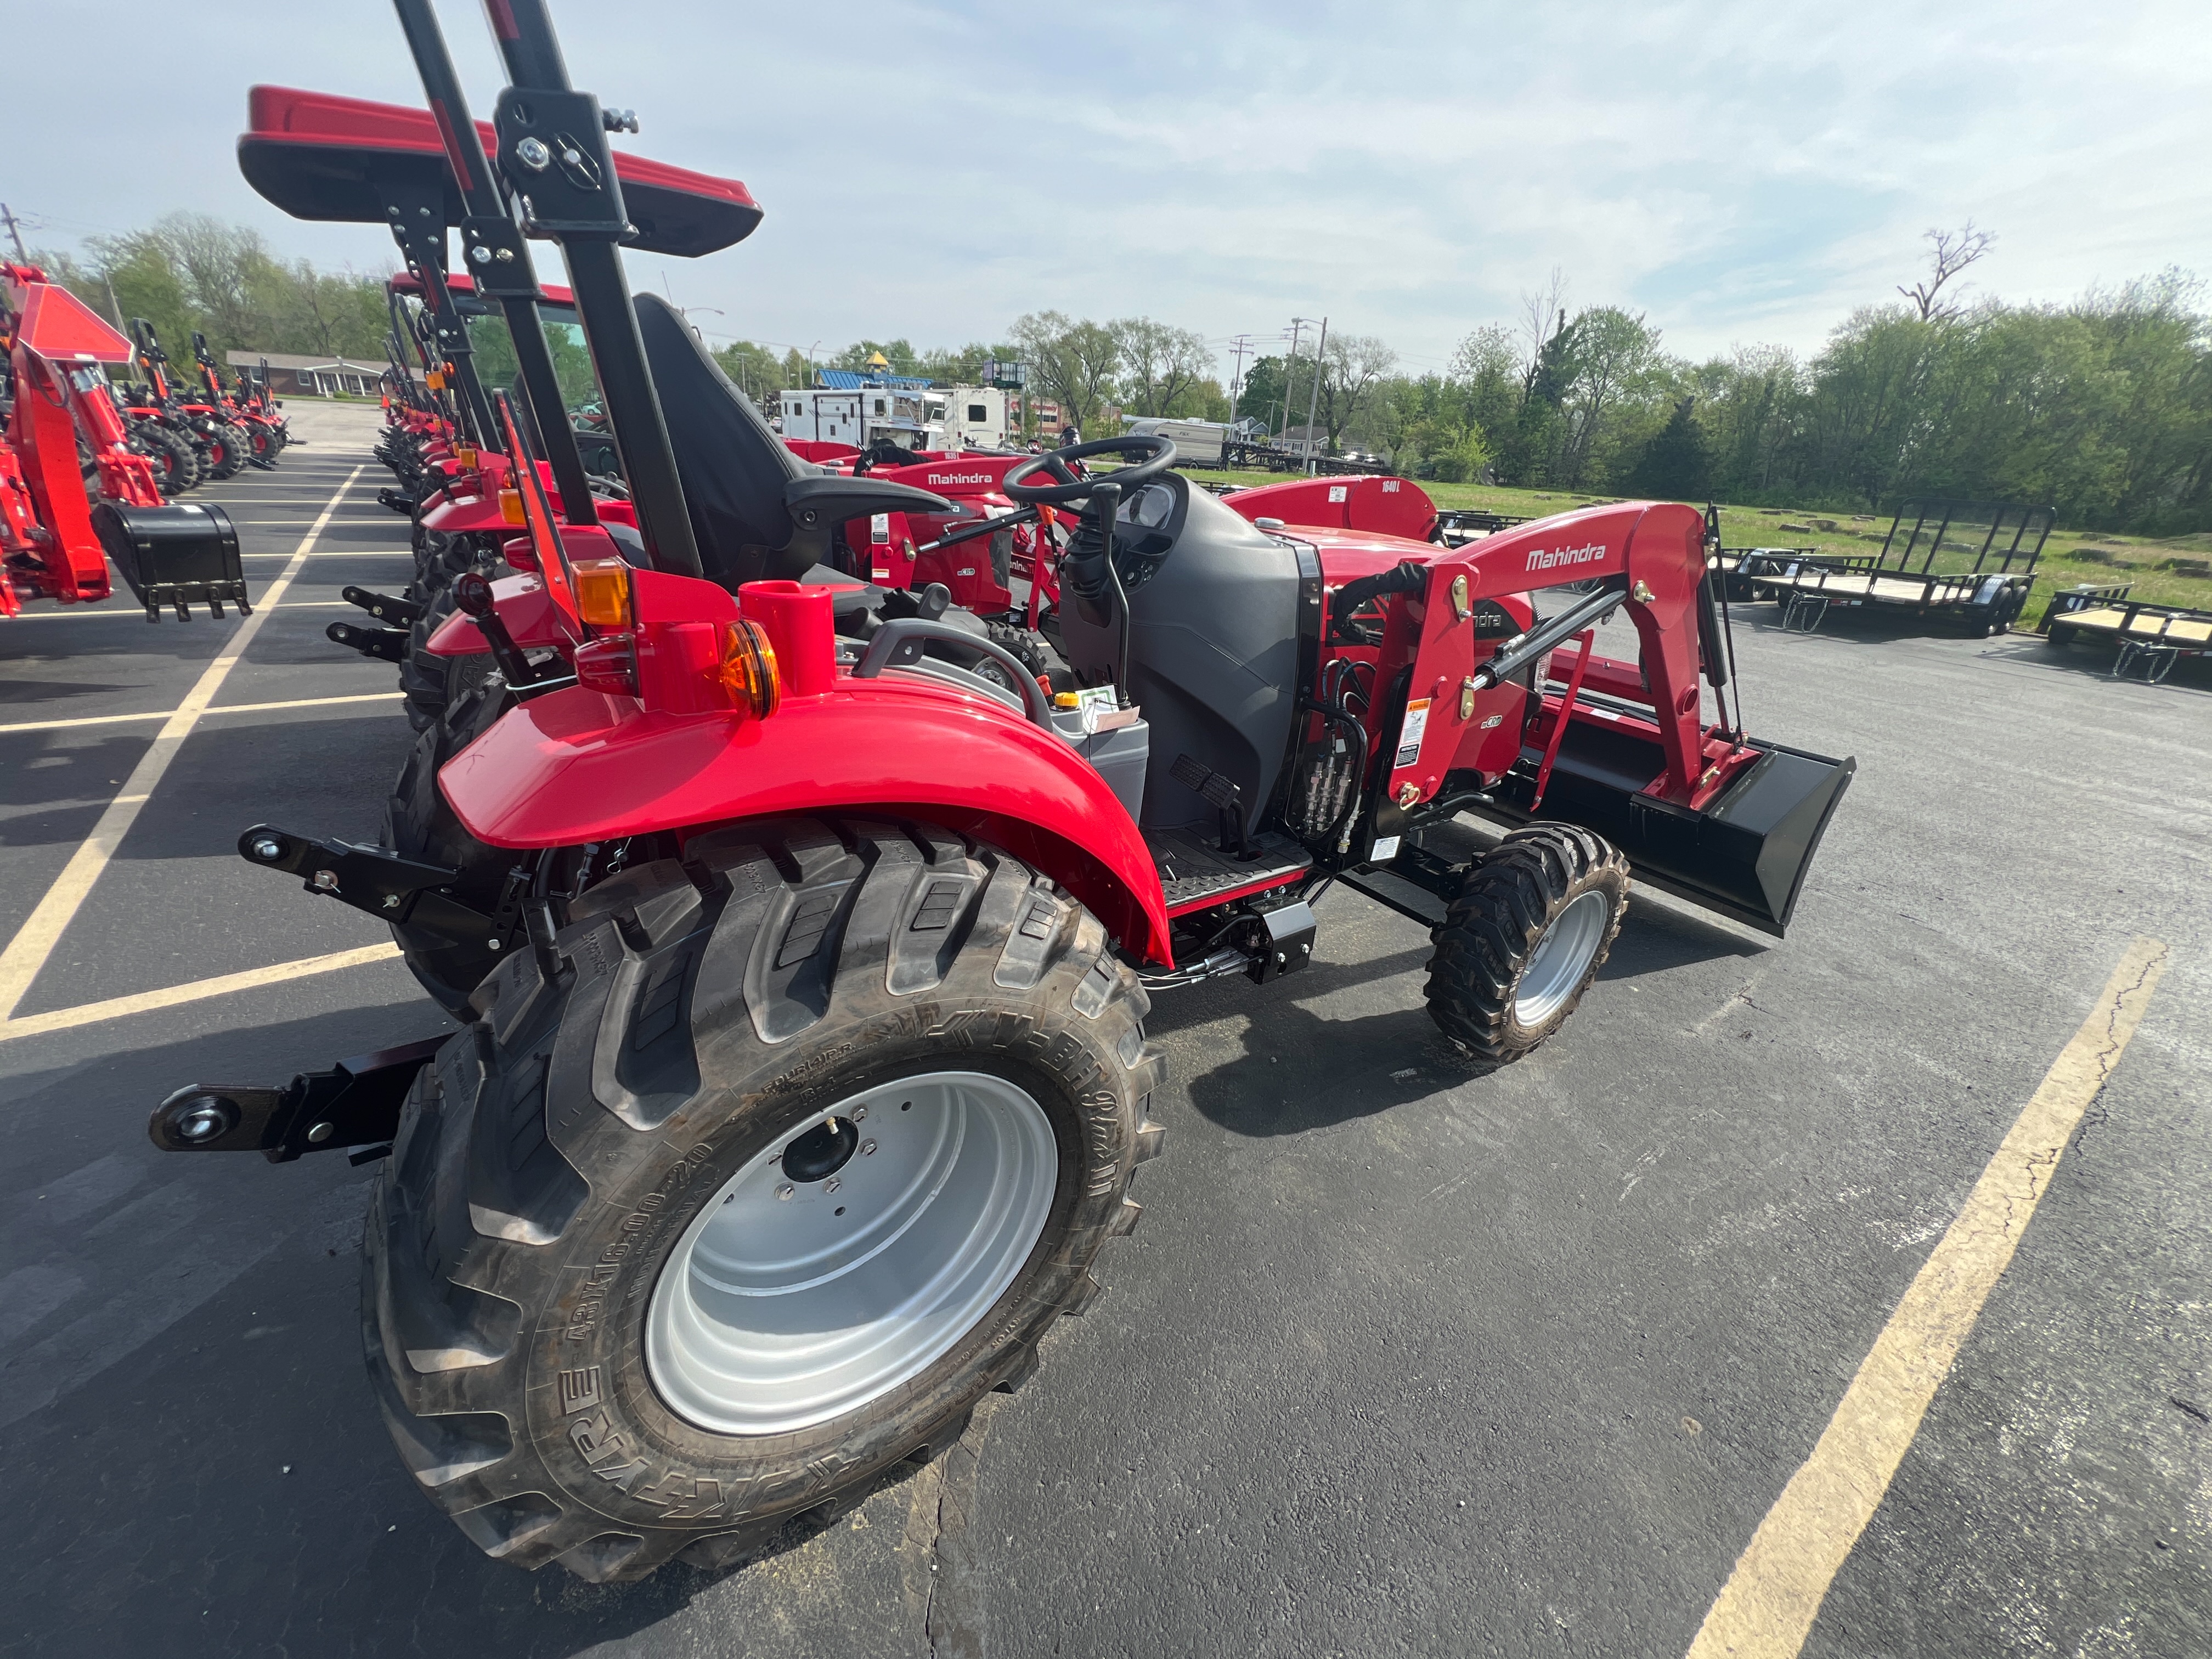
column 174, row 556
column 1745, row 856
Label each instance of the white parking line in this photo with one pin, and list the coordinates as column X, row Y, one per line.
column 91, row 1013
column 217, row 709
column 1766, row 1608
column 129, row 613
column 34, row 941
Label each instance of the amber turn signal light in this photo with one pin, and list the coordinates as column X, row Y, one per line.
column 748, row 669
column 510, row 507
column 602, row 591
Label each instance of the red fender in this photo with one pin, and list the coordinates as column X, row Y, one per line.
column 579, row 766
column 1389, row 507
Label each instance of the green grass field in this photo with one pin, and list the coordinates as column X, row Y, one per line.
column 2131, row 559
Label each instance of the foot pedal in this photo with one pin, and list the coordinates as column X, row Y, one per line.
column 1218, row 792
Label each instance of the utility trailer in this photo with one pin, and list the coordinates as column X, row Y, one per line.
column 2004, row 539
column 2150, row 638
column 1458, row 525
column 1740, row 567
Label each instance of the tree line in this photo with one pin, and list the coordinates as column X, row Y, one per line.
column 2101, row 406
column 189, row 271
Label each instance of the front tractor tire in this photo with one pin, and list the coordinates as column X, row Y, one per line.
column 807, row 1144
column 1530, row 928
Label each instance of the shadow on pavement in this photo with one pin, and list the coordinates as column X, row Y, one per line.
column 225, row 1485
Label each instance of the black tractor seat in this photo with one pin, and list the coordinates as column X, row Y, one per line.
column 758, row 512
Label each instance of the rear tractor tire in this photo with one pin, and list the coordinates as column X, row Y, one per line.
column 809, row 1141
column 175, row 471
column 1532, row 924
column 226, row 452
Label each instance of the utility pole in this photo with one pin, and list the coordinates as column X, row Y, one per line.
column 1244, row 343
column 1313, row 399
column 1290, row 367
column 14, row 234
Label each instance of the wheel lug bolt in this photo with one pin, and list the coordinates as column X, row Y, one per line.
column 784, row 1191
column 859, row 1113
column 867, row 1147
column 831, row 1185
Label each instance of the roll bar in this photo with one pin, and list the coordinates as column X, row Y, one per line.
column 553, row 152
column 498, row 257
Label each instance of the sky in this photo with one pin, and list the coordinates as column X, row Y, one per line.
column 1742, row 174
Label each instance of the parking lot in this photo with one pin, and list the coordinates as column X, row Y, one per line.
column 1403, row 1358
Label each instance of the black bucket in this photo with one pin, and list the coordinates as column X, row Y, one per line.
column 1744, row 856
column 174, row 555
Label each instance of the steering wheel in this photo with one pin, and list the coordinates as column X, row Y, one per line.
column 1159, row 455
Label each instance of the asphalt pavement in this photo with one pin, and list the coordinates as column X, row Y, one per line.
column 1402, row 1359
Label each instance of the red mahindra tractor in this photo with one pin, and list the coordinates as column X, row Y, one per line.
column 245, row 407
column 813, row 1077
column 62, row 520
column 202, row 427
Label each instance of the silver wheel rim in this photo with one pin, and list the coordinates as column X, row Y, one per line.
column 788, row 1302
column 1562, row 956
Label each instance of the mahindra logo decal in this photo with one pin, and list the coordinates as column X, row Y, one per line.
column 961, row 478
column 1541, row 560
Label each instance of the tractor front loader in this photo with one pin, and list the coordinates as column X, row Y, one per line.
column 55, row 539
column 810, row 1078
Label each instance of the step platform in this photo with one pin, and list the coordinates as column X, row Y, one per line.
column 1194, row 873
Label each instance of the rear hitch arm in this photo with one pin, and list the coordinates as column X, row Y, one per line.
column 383, row 606
column 355, row 1103
column 387, row 886
column 387, row 644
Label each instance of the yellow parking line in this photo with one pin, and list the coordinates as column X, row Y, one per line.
column 1767, row 1606
column 36, row 940
column 218, row 709
column 89, row 1014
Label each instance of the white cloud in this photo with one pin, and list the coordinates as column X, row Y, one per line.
column 1740, row 172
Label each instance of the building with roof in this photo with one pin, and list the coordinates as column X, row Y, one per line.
column 291, row 375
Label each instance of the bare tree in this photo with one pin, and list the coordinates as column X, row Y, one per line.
column 1543, row 315
column 1954, row 251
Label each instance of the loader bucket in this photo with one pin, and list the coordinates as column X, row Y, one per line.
column 1744, row 856
column 173, row 555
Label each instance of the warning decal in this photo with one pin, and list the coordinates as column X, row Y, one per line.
column 1410, row 734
